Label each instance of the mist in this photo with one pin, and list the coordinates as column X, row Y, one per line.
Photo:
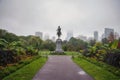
column 25, row 17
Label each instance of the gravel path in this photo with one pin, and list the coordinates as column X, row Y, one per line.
column 61, row 68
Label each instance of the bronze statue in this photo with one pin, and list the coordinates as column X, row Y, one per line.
column 58, row 49
column 59, row 32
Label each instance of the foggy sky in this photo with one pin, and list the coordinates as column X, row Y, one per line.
column 25, row 17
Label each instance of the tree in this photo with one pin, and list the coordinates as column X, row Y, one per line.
column 76, row 44
column 48, row 45
column 105, row 41
column 3, row 44
column 35, row 42
column 8, row 36
column 92, row 42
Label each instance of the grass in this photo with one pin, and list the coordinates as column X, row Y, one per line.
column 109, row 68
column 44, row 53
column 11, row 68
column 71, row 53
column 28, row 71
column 96, row 72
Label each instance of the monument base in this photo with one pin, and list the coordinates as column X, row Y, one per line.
column 59, row 47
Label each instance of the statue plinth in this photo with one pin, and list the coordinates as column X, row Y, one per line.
column 58, row 49
column 59, row 46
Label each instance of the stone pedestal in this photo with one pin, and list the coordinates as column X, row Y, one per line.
column 59, row 46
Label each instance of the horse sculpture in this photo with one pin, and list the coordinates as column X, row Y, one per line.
column 59, row 32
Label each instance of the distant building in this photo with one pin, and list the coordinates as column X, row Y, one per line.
column 69, row 35
column 39, row 34
column 116, row 35
column 108, row 32
column 53, row 38
column 84, row 38
column 96, row 35
column 103, row 36
column 46, row 37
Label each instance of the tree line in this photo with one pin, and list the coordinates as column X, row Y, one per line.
column 13, row 47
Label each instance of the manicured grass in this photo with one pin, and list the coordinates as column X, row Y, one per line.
column 11, row 68
column 96, row 72
column 28, row 71
column 44, row 53
column 71, row 53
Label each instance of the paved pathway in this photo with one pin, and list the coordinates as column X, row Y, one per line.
column 61, row 68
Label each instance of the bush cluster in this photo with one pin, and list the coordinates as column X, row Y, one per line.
column 5, row 71
column 114, row 70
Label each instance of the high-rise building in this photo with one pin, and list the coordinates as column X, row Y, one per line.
column 69, row 35
column 116, row 35
column 103, row 36
column 96, row 35
column 39, row 34
column 53, row 38
column 46, row 37
column 108, row 32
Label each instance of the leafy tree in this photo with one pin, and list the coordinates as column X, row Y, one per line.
column 105, row 41
column 35, row 41
column 3, row 44
column 77, row 44
column 114, row 44
column 92, row 42
column 10, row 37
column 48, row 45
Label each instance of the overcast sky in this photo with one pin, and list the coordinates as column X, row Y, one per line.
column 25, row 17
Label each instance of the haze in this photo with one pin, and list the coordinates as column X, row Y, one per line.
column 25, row 17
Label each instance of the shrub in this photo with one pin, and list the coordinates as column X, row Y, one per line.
column 6, row 56
column 13, row 67
column 113, row 59
column 107, row 67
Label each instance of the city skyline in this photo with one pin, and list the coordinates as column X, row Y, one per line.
column 83, row 17
column 95, row 35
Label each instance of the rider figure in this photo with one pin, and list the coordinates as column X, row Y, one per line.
column 59, row 32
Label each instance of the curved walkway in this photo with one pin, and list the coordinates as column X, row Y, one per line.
column 61, row 68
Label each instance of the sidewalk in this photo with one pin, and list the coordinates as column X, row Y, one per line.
column 61, row 68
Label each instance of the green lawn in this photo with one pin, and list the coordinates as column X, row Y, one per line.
column 96, row 72
column 71, row 53
column 28, row 71
column 44, row 53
